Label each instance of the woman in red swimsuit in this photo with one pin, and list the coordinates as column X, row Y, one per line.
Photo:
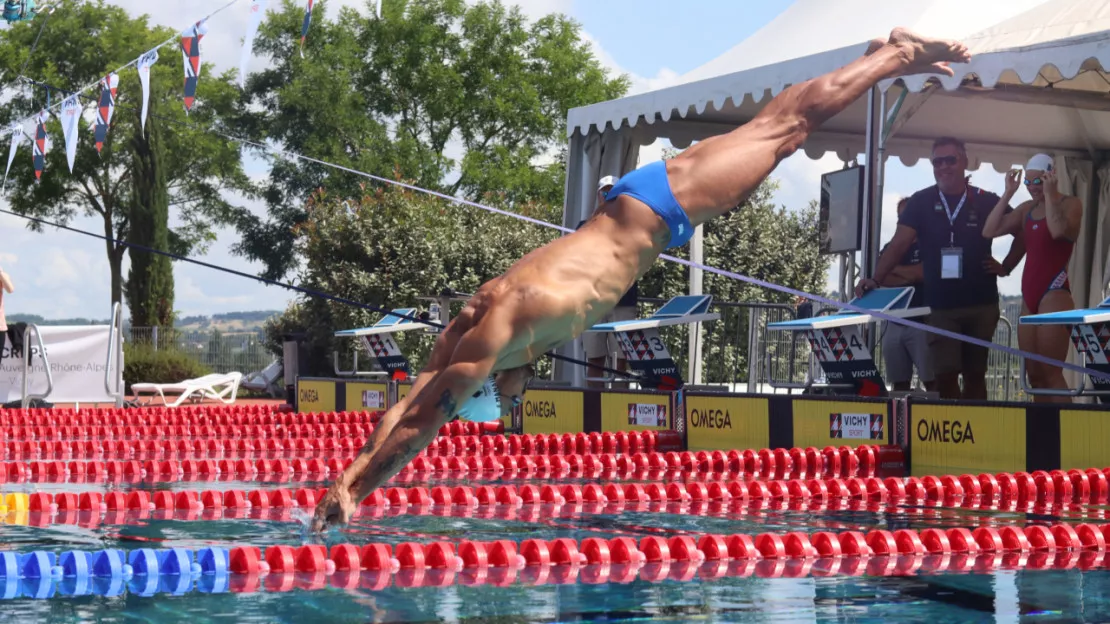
column 1049, row 222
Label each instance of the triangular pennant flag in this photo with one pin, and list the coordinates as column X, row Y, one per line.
column 39, row 144
column 190, row 50
column 258, row 10
column 17, row 138
column 71, row 118
column 304, row 26
column 105, row 107
column 146, row 61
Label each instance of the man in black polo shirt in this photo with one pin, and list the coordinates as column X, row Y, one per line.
column 596, row 345
column 961, row 275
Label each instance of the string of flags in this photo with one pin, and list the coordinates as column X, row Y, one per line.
column 72, row 109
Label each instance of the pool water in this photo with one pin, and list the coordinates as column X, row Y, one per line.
column 676, row 592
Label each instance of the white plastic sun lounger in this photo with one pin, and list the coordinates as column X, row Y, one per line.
column 217, row 386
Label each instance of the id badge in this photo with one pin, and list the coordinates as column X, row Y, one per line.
column 951, row 263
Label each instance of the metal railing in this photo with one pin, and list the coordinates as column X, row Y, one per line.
column 27, row 396
column 791, row 374
column 115, row 353
column 730, row 346
column 219, row 351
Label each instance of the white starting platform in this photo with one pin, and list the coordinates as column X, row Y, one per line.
column 640, row 342
column 378, row 341
column 1090, row 334
column 837, row 346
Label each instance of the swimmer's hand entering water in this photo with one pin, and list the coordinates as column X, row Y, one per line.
column 336, row 508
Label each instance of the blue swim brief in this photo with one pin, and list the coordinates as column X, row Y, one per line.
column 649, row 184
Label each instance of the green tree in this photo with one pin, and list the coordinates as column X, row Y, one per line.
column 433, row 79
column 388, row 248
column 150, row 280
column 80, row 45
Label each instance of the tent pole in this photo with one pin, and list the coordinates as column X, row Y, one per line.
column 872, row 205
column 694, row 354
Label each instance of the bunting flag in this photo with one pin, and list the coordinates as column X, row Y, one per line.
column 146, row 61
column 105, row 107
column 190, row 51
column 258, row 10
column 304, row 26
column 39, row 144
column 379, row 8
column 17, row 138
column 71, row 118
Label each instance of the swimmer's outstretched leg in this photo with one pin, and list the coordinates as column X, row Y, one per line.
column 718, row 174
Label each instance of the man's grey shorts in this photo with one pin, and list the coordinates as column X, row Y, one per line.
column 903, row 348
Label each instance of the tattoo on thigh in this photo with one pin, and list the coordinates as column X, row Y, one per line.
column 447, row 404
column 370, row 445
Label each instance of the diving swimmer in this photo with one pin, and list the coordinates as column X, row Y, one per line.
column 482, row 363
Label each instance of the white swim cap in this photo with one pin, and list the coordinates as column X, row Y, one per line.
column 1040, row 162
column 606, row 181
column 484, row 405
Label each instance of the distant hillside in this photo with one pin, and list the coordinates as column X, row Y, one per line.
column 38, row 320
column 231, row 321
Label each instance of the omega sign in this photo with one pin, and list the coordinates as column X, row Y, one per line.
column 540, row 409
column 953, row 431
column 711, row 419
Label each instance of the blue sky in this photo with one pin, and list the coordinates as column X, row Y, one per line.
column 60, row 274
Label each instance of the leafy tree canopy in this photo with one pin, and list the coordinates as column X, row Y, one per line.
column 78, row 47
column 461, row 98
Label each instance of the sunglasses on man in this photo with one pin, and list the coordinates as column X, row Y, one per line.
column 945, row 160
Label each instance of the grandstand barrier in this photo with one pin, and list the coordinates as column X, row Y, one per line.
column 937, row 437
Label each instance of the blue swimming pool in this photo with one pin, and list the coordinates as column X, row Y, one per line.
column 681, row 592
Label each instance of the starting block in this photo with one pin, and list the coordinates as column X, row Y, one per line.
column 379, row 342
column 642, row 347
column 836, row 343
column 1090, row 334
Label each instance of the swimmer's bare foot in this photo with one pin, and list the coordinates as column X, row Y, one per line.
column 874, row 46
column 928, row 56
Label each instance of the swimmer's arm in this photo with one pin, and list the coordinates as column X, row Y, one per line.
column 1064, row 217
column 999, row 222
column 388, row 451
column 6, row 281
column 905, row 275
column 898, row 246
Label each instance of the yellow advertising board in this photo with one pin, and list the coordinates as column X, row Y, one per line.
column 628, row 411
column 725, row 423
column 315, row 395
column 553, row 411
column 839, row 423
column 1084, row 439
column 365, row 397
column 947, row 439
column 403, row 390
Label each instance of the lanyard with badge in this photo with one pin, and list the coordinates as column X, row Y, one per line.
column 952, row 257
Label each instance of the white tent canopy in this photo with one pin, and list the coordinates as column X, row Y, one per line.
column 1036, row 82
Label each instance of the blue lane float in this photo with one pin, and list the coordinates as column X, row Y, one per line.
column 144, row 572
